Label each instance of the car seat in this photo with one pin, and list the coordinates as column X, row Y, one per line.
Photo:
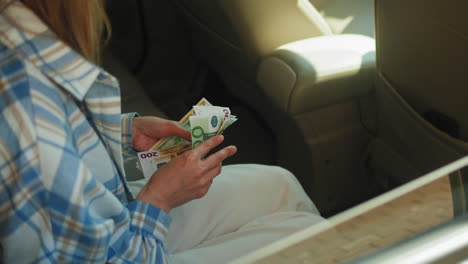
column 422, row 58
column 295, row 63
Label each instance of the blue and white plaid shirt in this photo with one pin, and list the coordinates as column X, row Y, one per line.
column 63, row 191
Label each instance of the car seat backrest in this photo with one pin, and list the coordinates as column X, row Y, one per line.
column 258, row 26
column 133, row 96
column 422, row 52
column 348, row 16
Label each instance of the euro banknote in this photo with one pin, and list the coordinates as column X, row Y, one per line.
column 203, row 121
column 184, row 122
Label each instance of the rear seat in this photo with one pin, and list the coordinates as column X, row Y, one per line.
column 304, row 66
column 134, row 97
column 347, row 16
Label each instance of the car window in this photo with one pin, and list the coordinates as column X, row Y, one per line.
column 412, row 209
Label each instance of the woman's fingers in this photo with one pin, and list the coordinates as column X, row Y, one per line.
column 212, row 173
column 186, row 177
column 157, row 127
column 179, row 131
column 201, row 150
column 218, row 157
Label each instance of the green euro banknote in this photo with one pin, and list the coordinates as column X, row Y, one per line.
column 203, row 127
column 227, row 123
column 206, row 126
column 174, row 140
column 184, row 122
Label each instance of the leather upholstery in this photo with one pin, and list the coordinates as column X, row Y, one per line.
column 421, row 65
column 258, row 26
column 422, row 46
column 313, row 73
column 348, row 16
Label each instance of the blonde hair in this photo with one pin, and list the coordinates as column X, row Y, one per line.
column 78, row 23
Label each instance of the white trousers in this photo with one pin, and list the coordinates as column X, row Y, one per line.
column 247, row 207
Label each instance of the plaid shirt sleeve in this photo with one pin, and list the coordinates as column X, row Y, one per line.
column 53, row 206
column 126, row 123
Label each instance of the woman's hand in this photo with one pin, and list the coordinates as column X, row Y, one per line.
column 186, row 177
column 147, row 130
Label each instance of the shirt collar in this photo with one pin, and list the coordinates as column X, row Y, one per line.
column 21, row 30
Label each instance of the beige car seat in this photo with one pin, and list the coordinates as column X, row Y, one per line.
column 296, row 64
column 347, row 16
column 234, row 34
column 133, row 96
column 422, row 62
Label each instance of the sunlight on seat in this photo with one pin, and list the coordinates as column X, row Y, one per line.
column 313, row 15
column 332, row 56
column 339, row 24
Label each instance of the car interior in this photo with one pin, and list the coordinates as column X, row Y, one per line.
column 355, row 97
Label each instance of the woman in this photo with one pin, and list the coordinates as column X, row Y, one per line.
column 64, row 195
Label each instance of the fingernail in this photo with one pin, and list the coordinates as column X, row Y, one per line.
column 221, row 137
